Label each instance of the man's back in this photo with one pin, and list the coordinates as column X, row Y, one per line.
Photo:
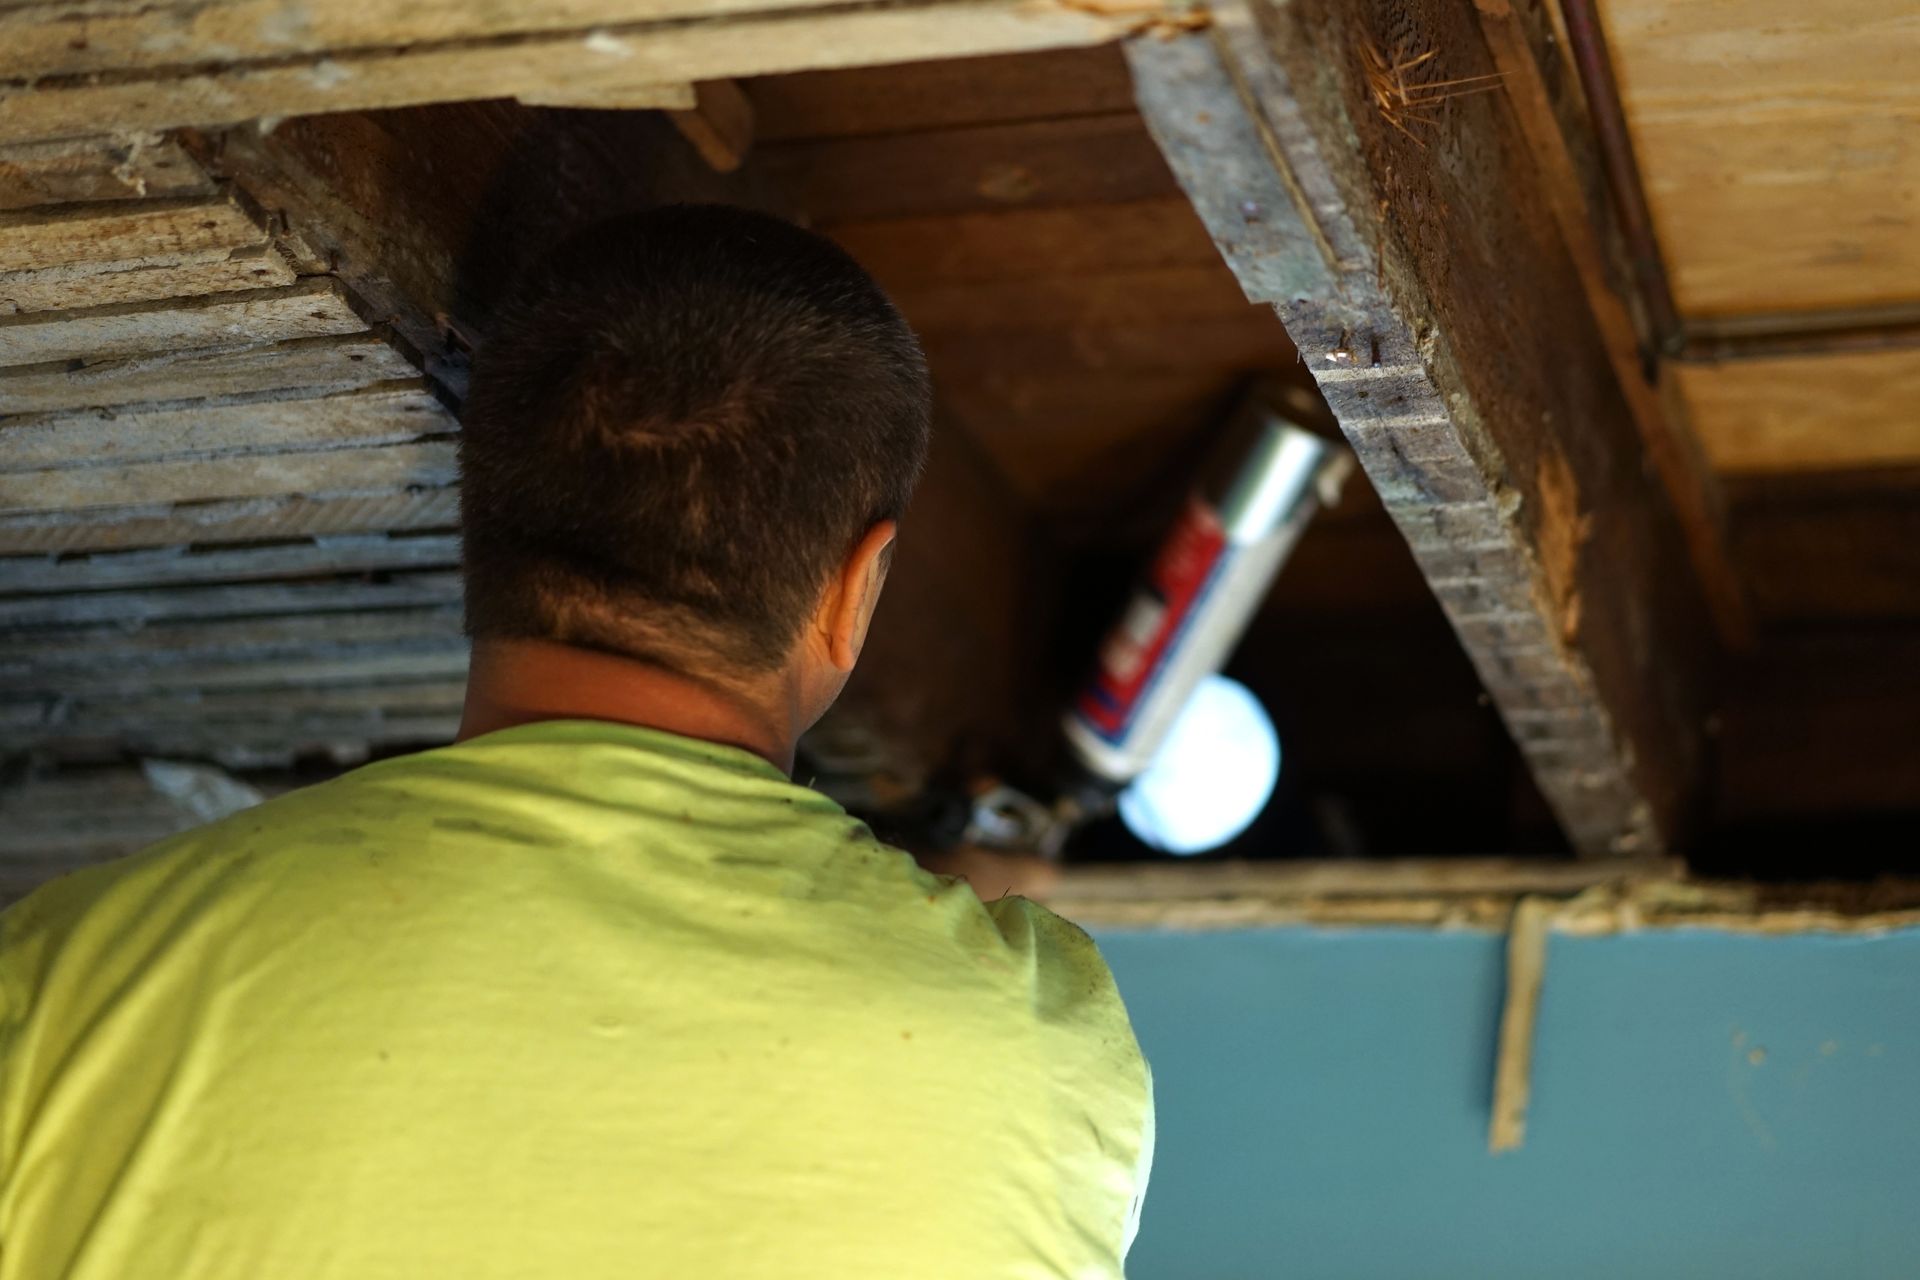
column 574, row 1000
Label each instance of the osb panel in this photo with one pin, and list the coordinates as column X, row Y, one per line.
column 1807, row 413
column 1777, row 140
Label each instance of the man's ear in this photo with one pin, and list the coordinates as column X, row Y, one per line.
column 851, row 598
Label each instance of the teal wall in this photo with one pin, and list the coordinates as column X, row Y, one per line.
column 1704, row 1104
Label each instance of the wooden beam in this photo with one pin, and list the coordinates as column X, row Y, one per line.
column 639, row 63
column 163, row 604
column 1544, row 91
column 1420, row 271
column 377, row 469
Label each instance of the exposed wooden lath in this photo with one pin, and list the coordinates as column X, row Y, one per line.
column 173, row 395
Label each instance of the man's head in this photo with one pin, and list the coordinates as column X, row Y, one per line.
column 687, row 441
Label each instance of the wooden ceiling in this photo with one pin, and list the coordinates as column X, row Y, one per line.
column 232, row 348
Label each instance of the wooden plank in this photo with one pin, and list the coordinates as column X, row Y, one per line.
column 362, row 470
column 1544, row 89
column 168, row 604
column 85, row 170
column 1801, row 413
column 1114, row 299
column 385, row 413
column 1023, row 243
column 311, row 365
column 441, row 658
column 108, row 284
column 195, row 706
column 347, row 739
column 123, row 232
column 39, row 38
column 1081, row 160
column 719, row 124
column 75, row 659
column 228, row 520
column 624, row 59
column 1497, row 437
column 309, row 309
column 942, row 95
column 1775, row 142
column 179, row 565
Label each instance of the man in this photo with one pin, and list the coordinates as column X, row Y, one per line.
column 597, row 991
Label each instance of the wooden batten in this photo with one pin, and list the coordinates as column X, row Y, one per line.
column 126, row 166
column 361, row 508
column 380, row 469
column 182, row 565
column 636, row 63
column 1497, row 437
column 309, row 308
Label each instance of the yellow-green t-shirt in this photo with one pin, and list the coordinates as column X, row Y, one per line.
column 568, row 1001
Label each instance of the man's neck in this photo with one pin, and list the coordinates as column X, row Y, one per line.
column 516, row 682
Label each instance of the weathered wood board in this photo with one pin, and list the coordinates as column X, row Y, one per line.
column 322, row 471
column 306, row 365
column 179, row 565
column 108, row 284
column 627, row 61
column 210, row 523
column 131, row 166
column 311, row 308
column 137, row 231
column 138, row 607
column 385, row 413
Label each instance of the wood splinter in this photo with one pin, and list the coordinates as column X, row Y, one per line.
column 1513, row 1069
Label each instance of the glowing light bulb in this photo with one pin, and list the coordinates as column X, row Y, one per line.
column 1211, row 777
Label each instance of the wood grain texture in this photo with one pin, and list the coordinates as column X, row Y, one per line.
column 308, row 309
column 309, row 365
column 1077, row 160
column 39, row 39
column 385, row 413
column 107, row 656
column 135, row 166
column 947, row 94
column 623, row 59
column 321, row 472
column 1543, row 87
column 330, row 554
column 1497, row 438
column 1806, row 413
column 1023, row 243
column 139, row 607
column 113, row 283
column 218, row 522
column 136, row 231
column 1776, row 141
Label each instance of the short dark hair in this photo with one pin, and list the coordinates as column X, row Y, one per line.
column 676, row 430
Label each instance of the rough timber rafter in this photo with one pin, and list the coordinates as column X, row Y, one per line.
column 1419, row 268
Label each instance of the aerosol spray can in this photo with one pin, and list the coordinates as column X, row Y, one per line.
column 1202, row 588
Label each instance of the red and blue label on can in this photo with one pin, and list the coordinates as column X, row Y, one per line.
column 1137, row 649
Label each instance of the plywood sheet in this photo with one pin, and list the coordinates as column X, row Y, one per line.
column 1807, row 413
column 1779, row 142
